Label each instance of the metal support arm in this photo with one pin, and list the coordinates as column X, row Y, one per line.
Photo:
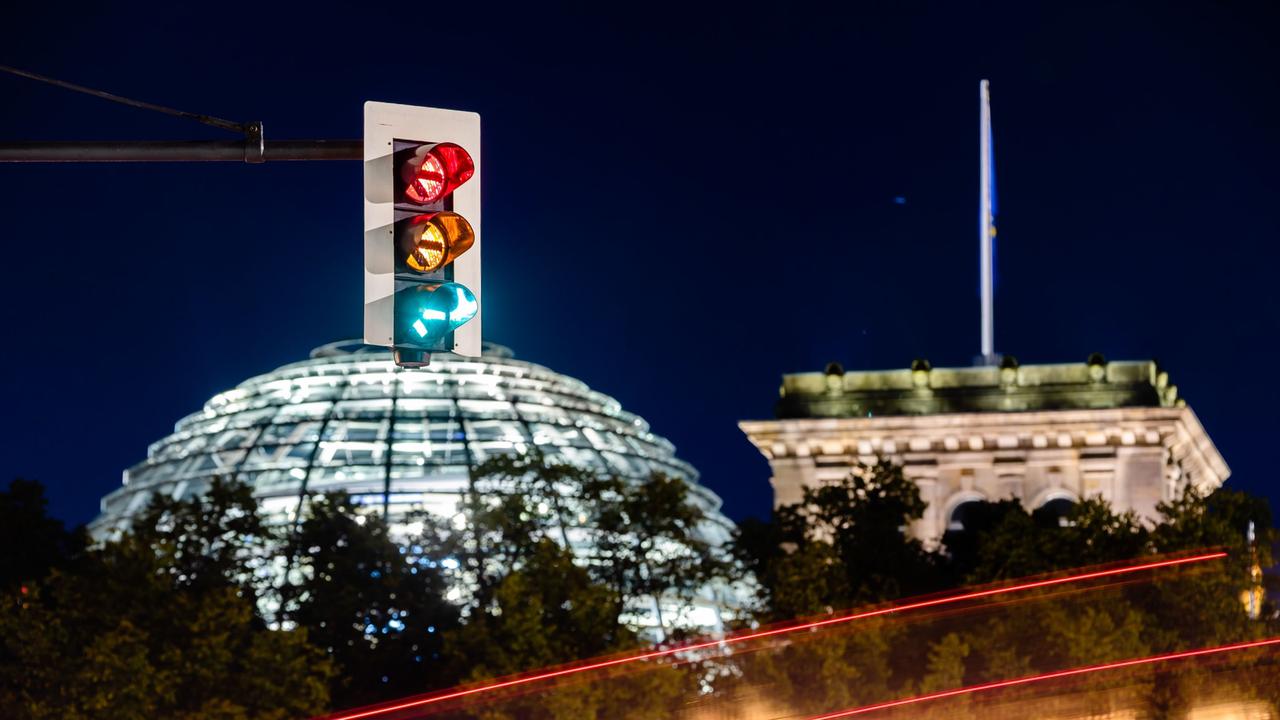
column 246, row 150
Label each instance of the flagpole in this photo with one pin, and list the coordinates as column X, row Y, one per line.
column 985, row 240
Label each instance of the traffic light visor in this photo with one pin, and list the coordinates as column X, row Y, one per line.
column 434, row 240
column 434, row 171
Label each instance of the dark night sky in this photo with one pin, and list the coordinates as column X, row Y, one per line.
column 680, row 206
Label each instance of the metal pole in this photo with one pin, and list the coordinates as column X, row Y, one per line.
column 247, row 150
column 985, row 260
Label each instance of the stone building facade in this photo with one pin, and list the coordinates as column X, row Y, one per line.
column 1038, row 433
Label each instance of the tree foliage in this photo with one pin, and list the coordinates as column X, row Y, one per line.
column 945, row 665
column 197, row 612
column 212, row 541
column 547, row 612
column 122, row 633
column 1002, row 540
column 644, row 539
column 374, row 603
column 34, row 542
column 847, row 543
column 556, row 558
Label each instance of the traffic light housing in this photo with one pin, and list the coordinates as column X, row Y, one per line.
column 422, row 231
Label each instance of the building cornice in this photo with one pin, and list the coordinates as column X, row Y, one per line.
column 1175, row 429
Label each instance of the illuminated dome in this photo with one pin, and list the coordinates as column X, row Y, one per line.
column 348, row 419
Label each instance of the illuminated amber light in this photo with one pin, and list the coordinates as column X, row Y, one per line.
column 436, row 239
column 429, row 253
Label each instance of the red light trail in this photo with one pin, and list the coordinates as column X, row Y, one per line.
column 734, row 639
column 1050, row 676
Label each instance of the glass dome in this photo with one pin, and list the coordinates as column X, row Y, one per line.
column 348, row 419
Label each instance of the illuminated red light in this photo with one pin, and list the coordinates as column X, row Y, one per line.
column 735, row 639
column 434, row 171
column 1029, row 679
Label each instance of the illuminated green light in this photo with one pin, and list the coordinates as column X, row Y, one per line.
column 466, row 306
column 429, row 313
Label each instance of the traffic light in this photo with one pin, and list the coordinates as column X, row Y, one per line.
column 422, row 231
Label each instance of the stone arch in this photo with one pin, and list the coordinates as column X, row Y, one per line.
column 954, row 502
column 1057, row 501
column 1048, row 495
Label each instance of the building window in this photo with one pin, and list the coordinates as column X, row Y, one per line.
column 962, row 516
column 1055, row 512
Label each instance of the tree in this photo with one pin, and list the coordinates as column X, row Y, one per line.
column 513, row 504
column 1221, row 519
column 648, row 542
column 119, row 637
column 212, row 540
column 867, row 516
column 554, row 558
column 375, row 604
column 944, row 668
column 1106, row 627
column 1002, row 540
column 845, row 543
column 35, row 543
column 643, row 541
column 818, row 672
column 548, row 612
